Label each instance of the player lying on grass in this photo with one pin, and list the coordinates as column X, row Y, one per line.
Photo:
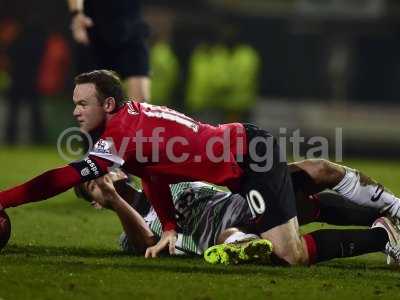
column 163, row 147
column 204, row 213
column 208, row 216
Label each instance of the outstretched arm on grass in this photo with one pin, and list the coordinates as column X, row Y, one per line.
column 135, row 227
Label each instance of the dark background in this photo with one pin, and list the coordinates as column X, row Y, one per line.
column 343, row 55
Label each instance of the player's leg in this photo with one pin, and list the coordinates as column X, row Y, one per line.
column 323, row 245
column 329, row 207
column 351, row 184
column 12, row 122
column 314, row 206
column 332, row 209
column 317, row 246
column 337, row 210
column 291, row 249
column 37, row 133
column 138, row 88
column 315, row 175
column 288, row 246
column 327, row 244
column 270, row 194
column 132, row 62
column 326, row 207
column 384, row 236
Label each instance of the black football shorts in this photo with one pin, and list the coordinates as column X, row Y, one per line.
column 266, row 184
column 128, row 57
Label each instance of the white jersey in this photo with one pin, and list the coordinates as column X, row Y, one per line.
column 202, row 212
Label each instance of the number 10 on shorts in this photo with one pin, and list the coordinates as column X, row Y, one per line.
column 256, row 203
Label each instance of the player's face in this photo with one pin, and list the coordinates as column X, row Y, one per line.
column 88, row 110
column 95, row 193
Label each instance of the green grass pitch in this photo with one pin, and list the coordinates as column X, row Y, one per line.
column 63, row 249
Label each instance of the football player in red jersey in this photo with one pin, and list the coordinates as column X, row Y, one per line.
column 163, row 146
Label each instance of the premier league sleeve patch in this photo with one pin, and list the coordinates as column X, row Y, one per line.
column 105, row 149
column 87, row 168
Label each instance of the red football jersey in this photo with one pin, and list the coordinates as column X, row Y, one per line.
column 163, row 146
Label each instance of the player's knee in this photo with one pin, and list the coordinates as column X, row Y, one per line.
column 297, row 259
column 324, row 172
column 322, row 169
column 292, row 254
column 294, row 258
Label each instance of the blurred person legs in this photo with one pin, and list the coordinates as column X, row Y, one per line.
column 16, row 104
column 115, row 38
column 138, row 87
column 130, row 60
column 23, row 92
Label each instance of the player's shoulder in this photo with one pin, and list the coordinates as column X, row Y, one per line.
column 130, row 108
column 121, row 118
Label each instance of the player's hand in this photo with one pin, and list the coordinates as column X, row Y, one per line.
column 105, row 183
column 79, row 25
column 109, row 194
column 116, row 175
column 168, row 239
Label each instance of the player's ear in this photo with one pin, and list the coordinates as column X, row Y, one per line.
column 109, row 104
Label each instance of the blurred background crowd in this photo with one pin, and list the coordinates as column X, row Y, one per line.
column 313, row 65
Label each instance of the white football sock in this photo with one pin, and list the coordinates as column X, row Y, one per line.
column 240, row 236
column 368, row 195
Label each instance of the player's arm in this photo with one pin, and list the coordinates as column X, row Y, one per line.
column 160, row 197
column 54, row 182
column 79, row 21
column 135, row 227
